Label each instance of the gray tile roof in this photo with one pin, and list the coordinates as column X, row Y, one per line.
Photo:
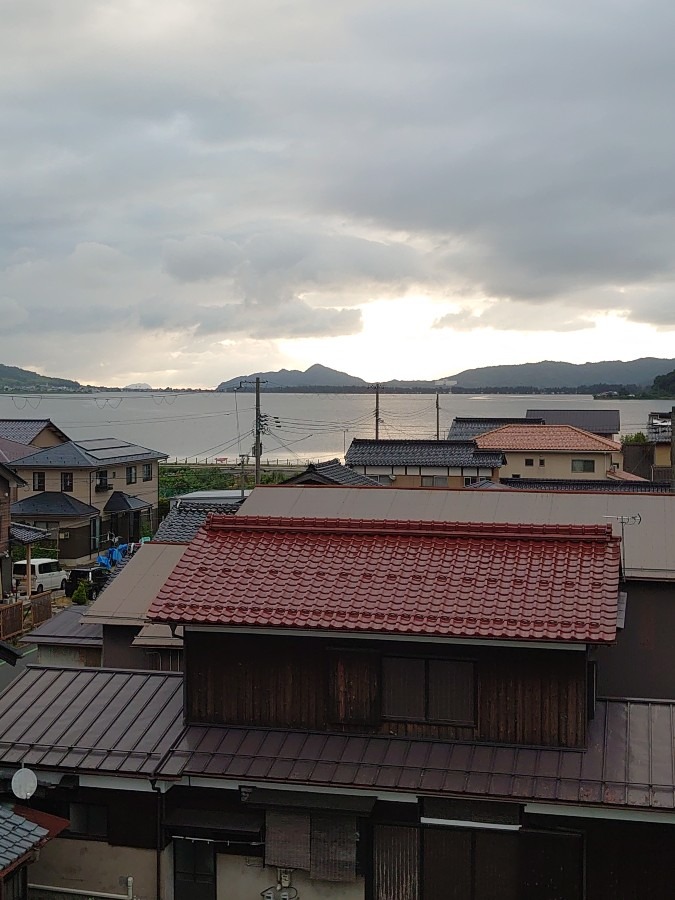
column 18, row 836
column 186, row 518
column 66, row 629
column 90, row 720
column 24, row 431
column 26, row 534
column 52, row 504
column 331, row 472
column 465, row 428
column 92, row 454
column 10, row 476
column 598, row 421
column 603, row 485
column 453, row 454
column 121, row 502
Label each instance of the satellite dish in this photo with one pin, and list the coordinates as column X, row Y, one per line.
column 24, row 784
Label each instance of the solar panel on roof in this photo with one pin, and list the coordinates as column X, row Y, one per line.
column 102, row 443
column 116, row 452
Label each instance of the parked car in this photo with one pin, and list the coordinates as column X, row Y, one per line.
column 46, row 575
column 94, row 578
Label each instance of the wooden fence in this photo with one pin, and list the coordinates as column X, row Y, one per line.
column 22, row 616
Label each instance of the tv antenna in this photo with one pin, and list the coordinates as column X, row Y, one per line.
column 623, row 521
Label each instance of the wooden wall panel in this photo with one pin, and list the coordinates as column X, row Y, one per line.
column 532, row 697
column 396, row 863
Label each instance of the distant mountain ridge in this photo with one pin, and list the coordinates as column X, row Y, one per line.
column 541, row 375
column 315, row 376
column 550, row 374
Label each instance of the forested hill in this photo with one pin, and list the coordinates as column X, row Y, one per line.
column 555, row 375
column 13, row 378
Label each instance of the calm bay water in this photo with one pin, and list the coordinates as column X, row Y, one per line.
column 301, row 426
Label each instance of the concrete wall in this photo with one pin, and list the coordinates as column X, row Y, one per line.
column 118, row 652
column 557, row 465
column 245, row 878
column 93, row 866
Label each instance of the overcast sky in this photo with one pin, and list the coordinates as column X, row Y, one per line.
column 196, row 190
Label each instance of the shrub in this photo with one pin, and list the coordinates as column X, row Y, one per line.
column 80, row 597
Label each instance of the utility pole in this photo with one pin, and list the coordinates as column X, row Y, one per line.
column 438, row 420
column 259, row 423
column 243, row 458
column 376, row 387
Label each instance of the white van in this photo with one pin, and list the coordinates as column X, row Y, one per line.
column 47, row 575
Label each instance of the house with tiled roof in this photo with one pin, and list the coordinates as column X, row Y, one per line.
column 552, row 451
column 423, row 463
column 39, row 433
column 364, row 700
column 89, row 493
column 331, row 472
column 9, row 482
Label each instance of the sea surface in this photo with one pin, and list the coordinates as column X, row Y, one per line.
column 300, row 427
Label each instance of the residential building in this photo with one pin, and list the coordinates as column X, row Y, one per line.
column 552, row 451
column 413, row 463
column 38, row 433
column 603, row 422
column 9, row 481
column 66, row 640
column 331, row 472
column 465, row 428
column 89, row 494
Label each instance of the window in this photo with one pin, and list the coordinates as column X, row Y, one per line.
column 88, row 820
column 428, row 690
column 102, row 479
column 147, row 471
column 470, row 479
column 95, row 533
column 131, row 474
column 542, row 462
column 529, row 462
column 434, row 480
column 15, row 886
column 67, row 481
column 583, row 465
column 38, row 481
column 194, row 870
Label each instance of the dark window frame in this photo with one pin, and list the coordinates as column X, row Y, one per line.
column 529, row 461
column 67, row 482
column 132, row 474
column 147, row 471
column 583, row 466
column 38, row 481
column 92, row 831
column 426, row 718
column 186, row 886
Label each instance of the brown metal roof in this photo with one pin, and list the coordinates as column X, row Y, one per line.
column 126, row 599
column 90, row 720
column 67, row 628
column 630, row 761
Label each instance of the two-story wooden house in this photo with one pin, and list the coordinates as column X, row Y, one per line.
column 88, row 493
column 382, row 709
column 9, row 481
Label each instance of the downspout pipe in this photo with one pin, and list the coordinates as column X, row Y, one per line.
column 48, row 888
column 159, row 835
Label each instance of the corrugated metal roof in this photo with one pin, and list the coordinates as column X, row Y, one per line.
column 599, row 421
column 67, row 628
column 649, row 545
column 630, row 761
column 490, row 581
column 90, row 720
column 126, row 598
column 579, row 484
column 540, row 438
column 453, row 454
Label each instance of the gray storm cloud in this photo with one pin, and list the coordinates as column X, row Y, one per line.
column 252, row 169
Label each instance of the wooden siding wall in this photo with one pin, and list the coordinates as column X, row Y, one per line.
column 532, row 697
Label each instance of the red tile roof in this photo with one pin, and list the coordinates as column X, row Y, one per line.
column 545, row 437
column 519, row 582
